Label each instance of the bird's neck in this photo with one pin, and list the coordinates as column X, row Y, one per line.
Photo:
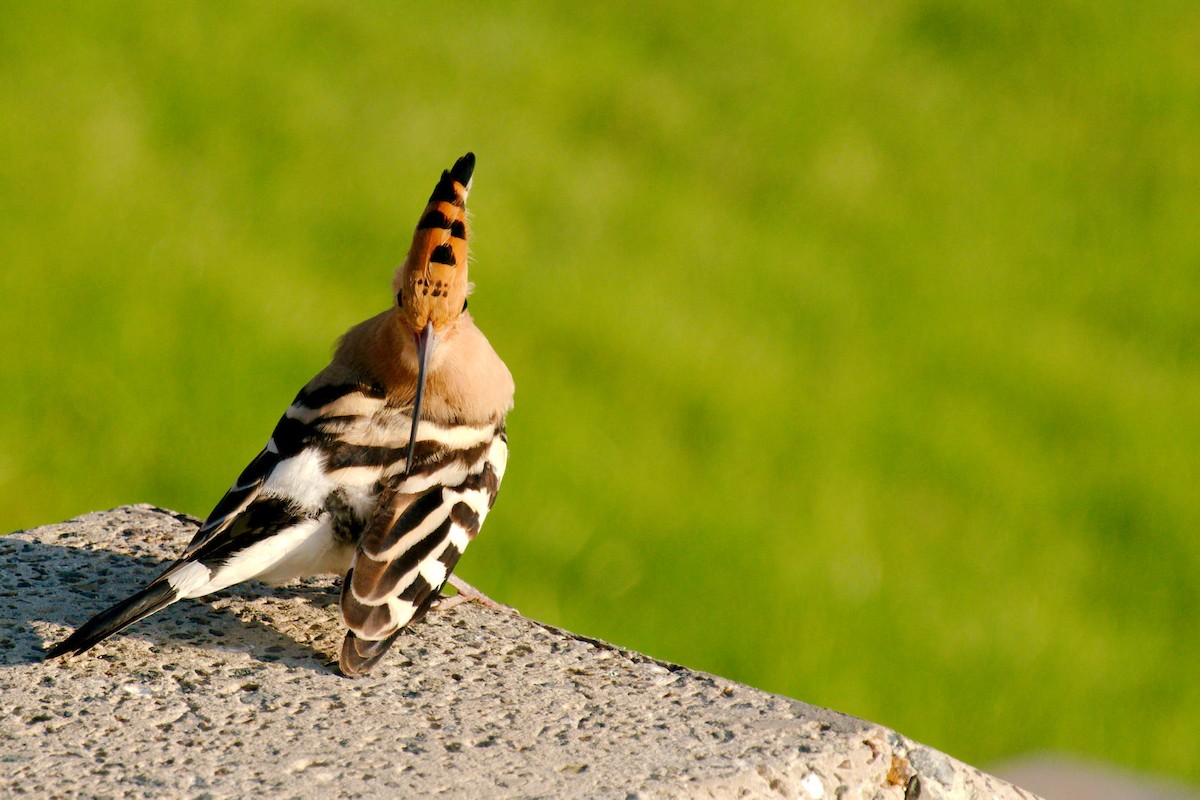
column 467, row 383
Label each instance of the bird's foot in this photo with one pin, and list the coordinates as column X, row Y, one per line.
column 467, row 593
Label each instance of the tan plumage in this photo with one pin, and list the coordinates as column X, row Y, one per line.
column 467, row 381
column 383, row 467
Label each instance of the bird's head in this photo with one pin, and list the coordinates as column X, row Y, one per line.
column 431, row 286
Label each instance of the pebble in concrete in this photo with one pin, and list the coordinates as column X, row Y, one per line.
column 238, row 695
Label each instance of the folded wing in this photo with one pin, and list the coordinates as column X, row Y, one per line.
column 412, row 544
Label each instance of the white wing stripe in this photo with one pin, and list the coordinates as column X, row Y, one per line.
column 416, row 534
column 189, row 577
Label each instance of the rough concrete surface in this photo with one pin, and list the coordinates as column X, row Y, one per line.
column 237, row 696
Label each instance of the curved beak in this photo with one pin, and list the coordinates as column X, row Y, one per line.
column 425, row 343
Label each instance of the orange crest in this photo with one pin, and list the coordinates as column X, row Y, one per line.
column 431, row 285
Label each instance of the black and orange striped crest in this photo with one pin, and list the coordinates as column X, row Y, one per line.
column 431, row 285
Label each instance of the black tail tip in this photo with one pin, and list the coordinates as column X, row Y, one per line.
column 463, row 169
column 54, row 651
column 360, row 655
column 68, row 646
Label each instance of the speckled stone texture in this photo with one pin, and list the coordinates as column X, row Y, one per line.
column 237, row 696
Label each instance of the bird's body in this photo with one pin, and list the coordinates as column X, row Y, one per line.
column 382, row 469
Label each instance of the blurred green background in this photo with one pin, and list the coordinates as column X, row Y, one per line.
column 857, row 345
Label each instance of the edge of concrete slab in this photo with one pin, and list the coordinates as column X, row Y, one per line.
column 237, row 694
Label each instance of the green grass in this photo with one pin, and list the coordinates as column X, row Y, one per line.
column 857, row 346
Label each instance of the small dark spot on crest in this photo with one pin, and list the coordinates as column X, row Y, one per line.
column 458, row 229
column 434, row 219
column 442, row 254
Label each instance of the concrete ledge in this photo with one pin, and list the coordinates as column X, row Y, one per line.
column 237, row 696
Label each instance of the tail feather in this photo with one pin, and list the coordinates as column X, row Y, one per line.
column 123, row 614
column 360, row 655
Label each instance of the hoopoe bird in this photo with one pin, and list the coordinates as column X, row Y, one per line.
column 382, row 469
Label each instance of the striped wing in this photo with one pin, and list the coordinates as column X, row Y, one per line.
column 290, row 479
column 291, row 493
column 243, row 492
column 422, row 526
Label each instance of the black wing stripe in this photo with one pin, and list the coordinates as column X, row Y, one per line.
column 346, row 456
column 413, row 516
column 377, row 580
column 292, row 435
column 417, row 590
column 485, row 480
column 428, row 456
column 466, row 518
column 412, row 558
column 324, row 395
column 246, row 486
column 262, row 519
column 449, row 557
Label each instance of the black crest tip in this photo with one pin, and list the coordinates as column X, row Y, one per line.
column 463, row 169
